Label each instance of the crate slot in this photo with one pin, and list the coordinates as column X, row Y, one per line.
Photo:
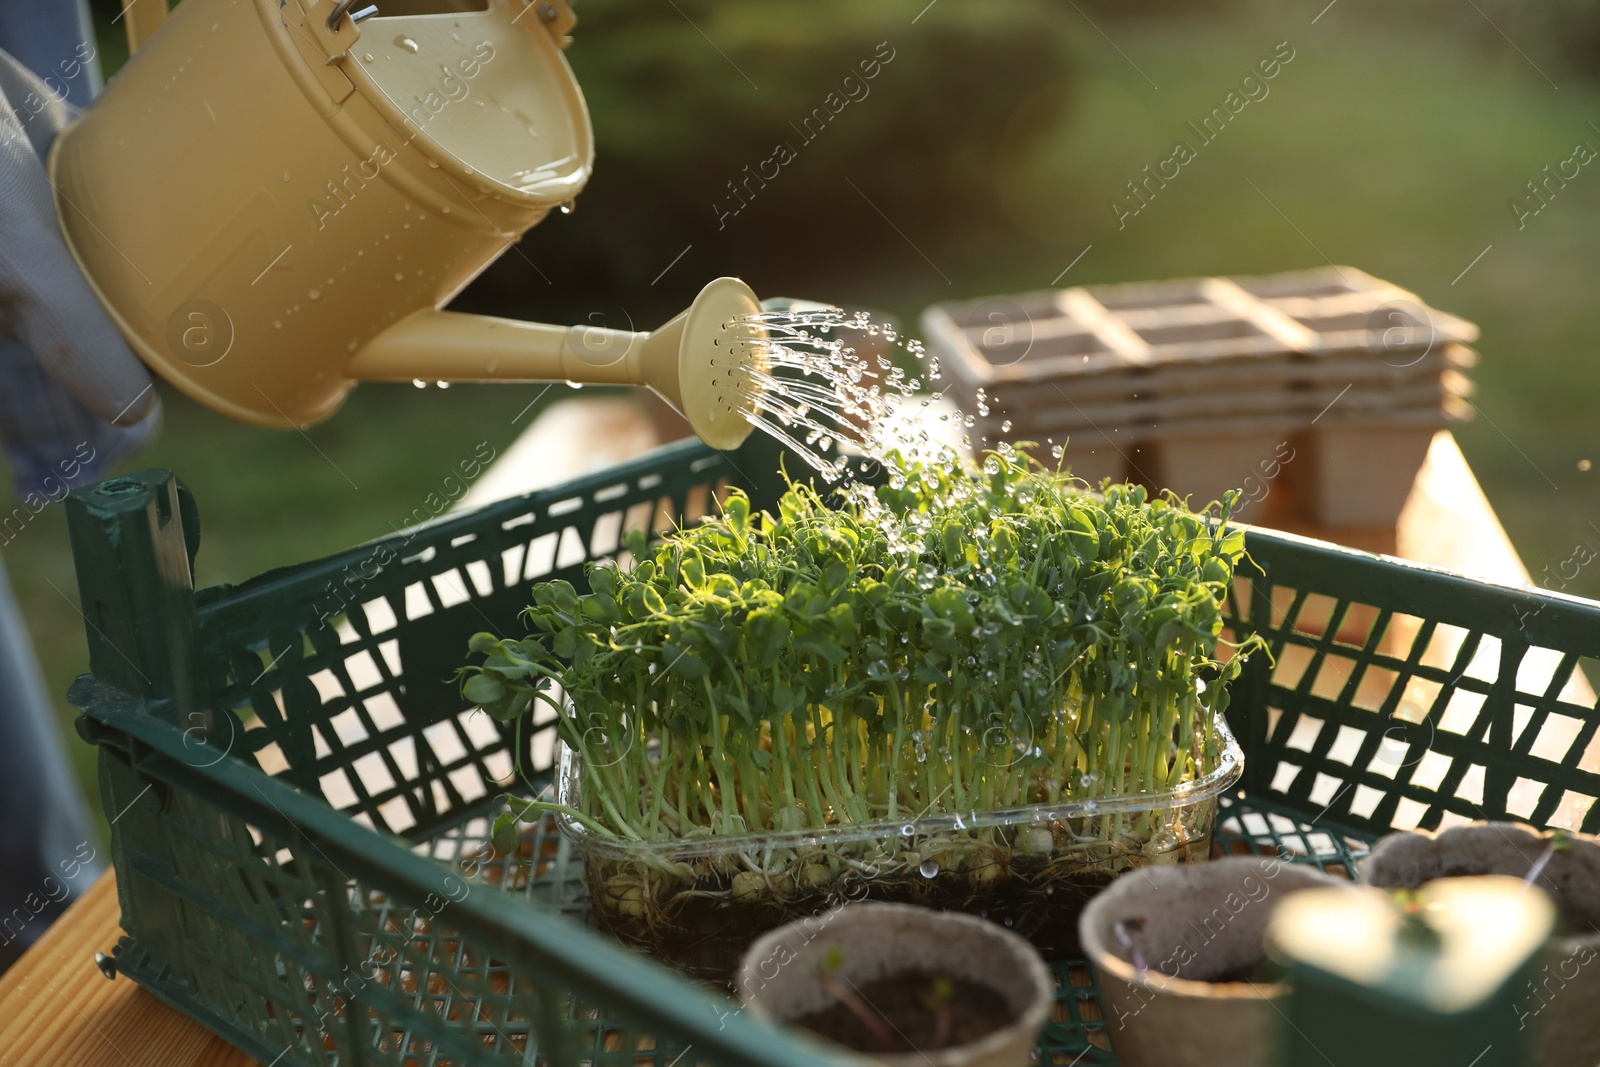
column 1364, row 801
column 450, row 588
column 511, row 562
column 1392, row 754
column 541, row 556
column 1524, row 797
column 1470, row 788
column 468, row 783
column 481, row 577
column 336, row 790
column 1571, row 809
column 480, row 729
column 390, row 651
column 1346, row 744
column 395, row 815
column 1378, row 685
column 362, row 671
column 1283, row 776
column 1445, row 645
column 270, row 758
column 1408, row 814
column 500, row 769
column 1430, row 770
column 1462, row 712
column 572, row 550
column 348, row 728
column 607, row 536
column 445, row 741
column 543, row 747
column 427, row 555
column 639, row 516
column 666, row 516
column 1419, row 699
column 1333, row 676
column 418, row 603
column 327, row 686
column 403, row 754
column 373, row 773
column 1305, row 733
column 382, row 711
column 345, row 630
column 380, row 615
column 1324, row 788
column 1558, row 740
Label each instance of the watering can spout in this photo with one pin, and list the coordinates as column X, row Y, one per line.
column 699, row 361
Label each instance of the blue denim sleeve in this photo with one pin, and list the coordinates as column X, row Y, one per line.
column 47, row 851
column 52, row 39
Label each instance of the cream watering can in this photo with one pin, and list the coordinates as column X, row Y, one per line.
column 275, row 198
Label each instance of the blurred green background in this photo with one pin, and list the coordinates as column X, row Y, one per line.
column 983, row 160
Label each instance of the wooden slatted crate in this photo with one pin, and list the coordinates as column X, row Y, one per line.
column 1204, row 384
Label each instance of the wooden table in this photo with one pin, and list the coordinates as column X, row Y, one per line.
column 57, row 1010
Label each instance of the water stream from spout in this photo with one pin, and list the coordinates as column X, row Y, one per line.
column 829, row 386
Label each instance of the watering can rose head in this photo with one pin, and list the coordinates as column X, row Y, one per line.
column 944, row 643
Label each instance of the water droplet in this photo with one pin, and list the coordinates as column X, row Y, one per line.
column 314, row 294
column 366, row 57
column 407, row 43
column 419, row 383
column 928, row 869
column 566, row 207
column 399, row 277
column 442, row 385
column 907, row 830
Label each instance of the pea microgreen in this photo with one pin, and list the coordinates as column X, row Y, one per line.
column 948, row 642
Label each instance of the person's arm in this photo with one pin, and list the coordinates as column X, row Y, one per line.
column 73, row 400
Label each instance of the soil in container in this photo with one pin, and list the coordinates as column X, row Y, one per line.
column 703, row 928
column 929, row 1011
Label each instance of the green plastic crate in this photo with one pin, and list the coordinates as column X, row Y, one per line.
column 302, row 800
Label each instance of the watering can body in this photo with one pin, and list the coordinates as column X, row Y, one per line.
column 274, row 200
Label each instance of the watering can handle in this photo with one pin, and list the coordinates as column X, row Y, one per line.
column 142, row 18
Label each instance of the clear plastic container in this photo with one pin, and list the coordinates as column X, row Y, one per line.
column 697, row 901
